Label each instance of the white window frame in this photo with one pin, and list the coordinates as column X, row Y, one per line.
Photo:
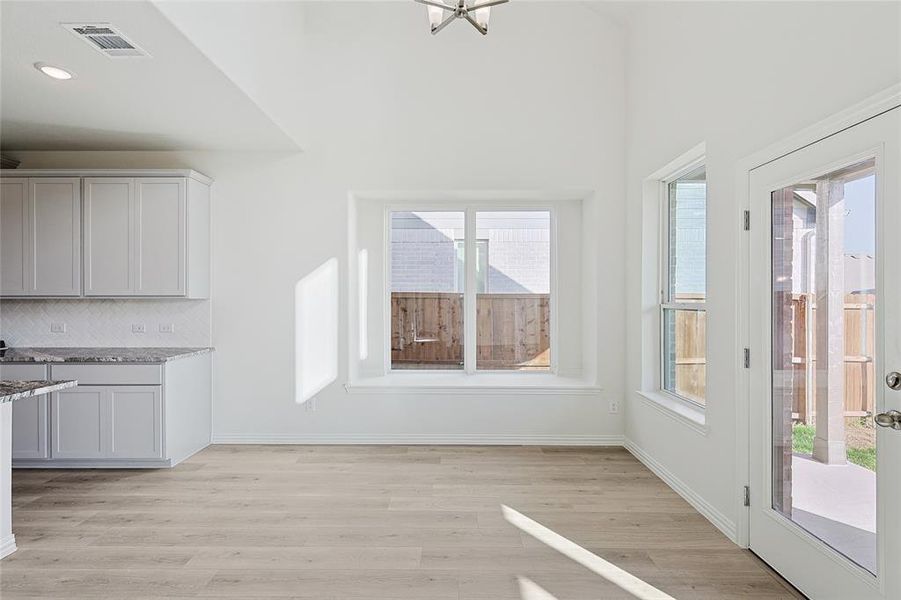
column 470, row 209
column 665, row 302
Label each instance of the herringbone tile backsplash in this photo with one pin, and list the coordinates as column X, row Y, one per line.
column 105, row 322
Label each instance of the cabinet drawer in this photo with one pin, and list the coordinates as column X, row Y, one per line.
column 21, row 372
column 109, row 374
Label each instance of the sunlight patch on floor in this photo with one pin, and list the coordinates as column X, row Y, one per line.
column 529, row 590
column 623, row 579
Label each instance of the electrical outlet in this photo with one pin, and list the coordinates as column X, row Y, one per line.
column 614, row 407
column 57, row 328
column 167, row 328
column 138, row 328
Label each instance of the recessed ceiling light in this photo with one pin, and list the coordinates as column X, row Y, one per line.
column 51, row 71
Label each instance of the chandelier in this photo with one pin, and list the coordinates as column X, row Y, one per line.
column 474, row 11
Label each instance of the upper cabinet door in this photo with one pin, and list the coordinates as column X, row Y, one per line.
column 109, row 229
column 14, row 236
column 55, row 245
column 161, row 226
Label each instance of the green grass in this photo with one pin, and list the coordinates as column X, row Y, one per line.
column 802, row 439
column 802, row 443
column 865, row 457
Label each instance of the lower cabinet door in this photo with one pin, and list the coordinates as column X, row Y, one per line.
column 79, row 420
column 135, row 422
column 30, row 427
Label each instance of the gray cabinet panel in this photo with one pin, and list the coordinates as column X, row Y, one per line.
column 135, row 422
column 13, row 236
column 30, row 427
column 160, row 234
column 79, row 421
column 109, row 236
column 55, row 223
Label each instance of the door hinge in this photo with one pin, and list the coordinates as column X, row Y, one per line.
column 747, row 223
column 747, row 357
column 747, row 497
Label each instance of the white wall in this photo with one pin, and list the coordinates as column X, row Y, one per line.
column 538, row 104
column 739, row 76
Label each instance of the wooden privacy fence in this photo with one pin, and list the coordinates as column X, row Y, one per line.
column 512, row 331
column 691, row 354
column 860, row 344
column 860, row 350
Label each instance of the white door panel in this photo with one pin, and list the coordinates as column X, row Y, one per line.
column 825, row 329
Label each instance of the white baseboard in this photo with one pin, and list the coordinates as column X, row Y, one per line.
column 502, row 439
column 719, row 520
column 7, row 545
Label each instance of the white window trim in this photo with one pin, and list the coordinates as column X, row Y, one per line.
column 665, row 272
column 469, row 209
column 656, row 204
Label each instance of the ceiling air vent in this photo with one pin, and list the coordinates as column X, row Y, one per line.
column 106, row 39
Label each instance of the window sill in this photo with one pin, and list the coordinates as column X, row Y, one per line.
column 692, row 416
column 478, row 384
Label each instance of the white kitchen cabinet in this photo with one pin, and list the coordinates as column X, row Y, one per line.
column 13, row 236
column 160, row 236
column 146, row 236
column 119, row 415
column 102, row 422
column 135, row 422
column 79, row 419
column 55, row 248
column 31, row 427
column 30, row 415
column 109, row 224
column 133, row 234
column 40, row 236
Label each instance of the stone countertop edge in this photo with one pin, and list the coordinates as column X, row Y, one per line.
column 99, row 355
column 18, row 390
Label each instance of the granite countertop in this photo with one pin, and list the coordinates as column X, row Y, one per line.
column 16, row 390
column 97, row 355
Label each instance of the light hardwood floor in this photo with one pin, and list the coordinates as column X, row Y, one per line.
column 373, row 522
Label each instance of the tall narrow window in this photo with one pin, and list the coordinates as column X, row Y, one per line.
column 684, row 294
column 513, row 310
column 495, row 284
column 426, row 291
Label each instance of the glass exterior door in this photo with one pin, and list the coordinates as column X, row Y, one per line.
column 825, row 329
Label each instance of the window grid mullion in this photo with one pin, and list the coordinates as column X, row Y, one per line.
column 469, row 291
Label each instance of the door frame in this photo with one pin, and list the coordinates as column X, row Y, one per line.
column 873, row 106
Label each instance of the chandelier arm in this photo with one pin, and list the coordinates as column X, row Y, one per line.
column 447, row 21
column 484, row 4
column 475, row 24
column 437, row 4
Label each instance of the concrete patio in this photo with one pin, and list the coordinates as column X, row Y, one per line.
column 837, row 503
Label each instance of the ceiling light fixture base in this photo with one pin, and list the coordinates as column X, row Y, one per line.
column 476, row 13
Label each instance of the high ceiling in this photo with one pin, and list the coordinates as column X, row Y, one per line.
column 223, row 75
column 177, row 99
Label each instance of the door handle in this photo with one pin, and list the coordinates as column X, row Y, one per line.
column 893, row 380
column 891, row 419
